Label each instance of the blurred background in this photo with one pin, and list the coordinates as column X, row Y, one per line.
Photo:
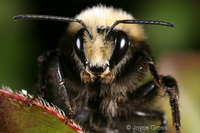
column 177, row 50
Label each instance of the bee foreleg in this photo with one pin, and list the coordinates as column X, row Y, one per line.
column 45, row 62
column 169, row 85
column 64, row 91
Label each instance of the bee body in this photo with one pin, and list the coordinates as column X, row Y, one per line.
column 95, row 73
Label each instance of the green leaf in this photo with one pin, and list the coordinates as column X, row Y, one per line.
column 18, row 116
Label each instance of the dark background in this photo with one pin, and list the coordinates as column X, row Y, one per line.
column 22, row 42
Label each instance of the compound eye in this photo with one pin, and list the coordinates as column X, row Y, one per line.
column 121, row 43
column 79, row 45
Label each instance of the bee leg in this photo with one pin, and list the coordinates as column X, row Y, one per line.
column 169, row 85
column 172, row 91
column 63, row 90
column 43, row 62
column 154, row 115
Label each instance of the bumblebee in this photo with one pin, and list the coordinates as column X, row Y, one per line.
column 95, row 73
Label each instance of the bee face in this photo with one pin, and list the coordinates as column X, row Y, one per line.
column 100, row 55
